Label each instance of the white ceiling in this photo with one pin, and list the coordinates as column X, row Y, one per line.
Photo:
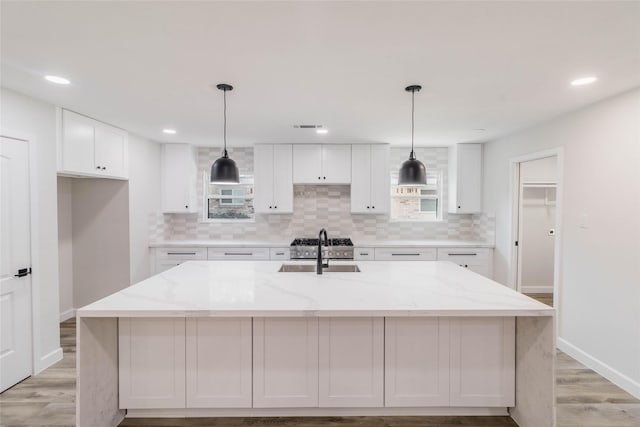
column 144, row 66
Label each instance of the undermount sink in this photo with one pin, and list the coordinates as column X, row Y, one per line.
column 307, row 268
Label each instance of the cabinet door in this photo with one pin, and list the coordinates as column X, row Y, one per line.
column 285, row 362
column 77, row 143
column 151, row 363
column 307, row 164
column 282, row 179
column 483, row 361
column 469, row 178
column 263, row 179
column 416, row 362
column 361, row 178
column 336, row 164
column 218, row 360
column 111, row 153
column 351, row 362
column 178, row 179
column 380, row 179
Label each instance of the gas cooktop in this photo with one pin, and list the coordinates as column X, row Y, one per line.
column 307, row 248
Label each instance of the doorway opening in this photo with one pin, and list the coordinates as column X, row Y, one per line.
column 535, row 226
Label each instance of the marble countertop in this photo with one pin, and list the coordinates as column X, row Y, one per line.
column 256, row 288
column 283, row 244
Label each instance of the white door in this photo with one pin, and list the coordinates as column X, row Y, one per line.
column 15, row 255
column 285, row 362
column 78, row 147
column 307, row 164
column 380, row 179
column 361, row 178
column 218, row 362
column 336, row 164
column 110, row 151
column 283, row 178
column 263, row 181
column 536, row 222
column 351, row 362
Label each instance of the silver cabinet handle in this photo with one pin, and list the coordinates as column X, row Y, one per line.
column 459, row 254
column 279, row 253
column 405, row 254
column 238, row 253
column 181, row 253
column 364, row 253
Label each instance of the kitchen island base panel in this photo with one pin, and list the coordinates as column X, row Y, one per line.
column 313, row 412
column 97, row 377
column 535, row 372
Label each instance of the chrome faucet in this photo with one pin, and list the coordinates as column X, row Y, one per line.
column 319, row 264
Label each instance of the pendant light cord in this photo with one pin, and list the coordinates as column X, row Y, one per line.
column 412, row 156
column 224, row 132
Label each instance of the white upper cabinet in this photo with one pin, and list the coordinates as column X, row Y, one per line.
column 178, row 178
column 465, row 178
column 321, row 164
column 273, row 178
column 370, row 180
column 92, row 148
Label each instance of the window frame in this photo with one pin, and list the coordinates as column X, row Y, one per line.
column 439, row 196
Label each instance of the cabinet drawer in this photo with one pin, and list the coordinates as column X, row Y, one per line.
column 238, row 253
column 364, row 254
column 166, row 264
column 279, row 253
column 182, row 253
column 405, row 254
column 464, row 255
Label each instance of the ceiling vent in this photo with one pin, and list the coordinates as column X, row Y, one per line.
column 307, row 126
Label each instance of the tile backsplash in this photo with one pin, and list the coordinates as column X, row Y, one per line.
column 317, row 206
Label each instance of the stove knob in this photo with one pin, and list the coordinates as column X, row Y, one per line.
column 331, row 253
column 306, row 254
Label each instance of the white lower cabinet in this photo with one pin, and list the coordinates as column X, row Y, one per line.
column 285, row 362
column 405, row 254
column 351, row 362
column 242, row 254
column 416, row 361
column 295, row 362
column 218, row 362
column 151, row 363
column 483, row 361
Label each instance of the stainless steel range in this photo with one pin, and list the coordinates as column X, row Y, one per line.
column 308, row 249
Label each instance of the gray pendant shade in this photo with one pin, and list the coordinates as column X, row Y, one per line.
column 412, row 171
column 224, row 170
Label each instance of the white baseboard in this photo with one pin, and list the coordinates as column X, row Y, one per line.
column 537, row 289
column 313, row 412
column 68, row 314
column 48, row 360
column 616, row 377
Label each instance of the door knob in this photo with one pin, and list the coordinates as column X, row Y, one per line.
column 23, row 272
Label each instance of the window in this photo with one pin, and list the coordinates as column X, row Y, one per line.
column 229, row 202
column 417, row 203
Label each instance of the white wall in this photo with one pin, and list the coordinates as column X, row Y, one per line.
column 144, row 199
column 599, row 298
column 100, row 238
column 26, row 117
column 65, row 247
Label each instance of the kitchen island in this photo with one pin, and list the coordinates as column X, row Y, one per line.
column 241, row 338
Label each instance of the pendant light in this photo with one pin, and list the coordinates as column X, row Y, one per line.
column 412, row 171
column 224, row 170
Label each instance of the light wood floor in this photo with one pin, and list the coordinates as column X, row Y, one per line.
column 585, row 399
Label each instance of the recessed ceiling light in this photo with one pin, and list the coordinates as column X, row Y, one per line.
column 583, row 81
column 169, row 131
column 57, row 80
column 322, row 131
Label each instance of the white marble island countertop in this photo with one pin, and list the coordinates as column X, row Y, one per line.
column 283, row 244
column 256, row 288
